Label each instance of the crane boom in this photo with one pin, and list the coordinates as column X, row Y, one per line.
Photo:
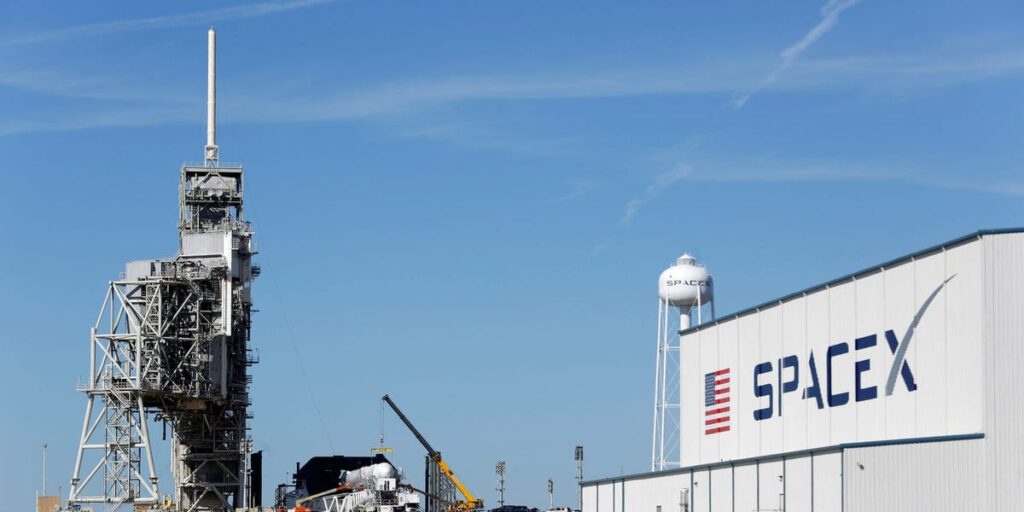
column 471, row 502
column 419, row 437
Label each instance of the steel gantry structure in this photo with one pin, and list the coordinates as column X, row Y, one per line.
column 171, row 344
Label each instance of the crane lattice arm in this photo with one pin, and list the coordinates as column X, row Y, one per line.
column 471, row 502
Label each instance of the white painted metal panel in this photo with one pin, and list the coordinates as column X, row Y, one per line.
column 590, row 498
column 728, row 357
column 964, row 360
column 637, row 493
column 745, row 485
column 870, row 353
column 770, row 485
column 605, row 500
column 928, row 347
column 798, row 484
column 691, row 413
column 771, row 345
column 900, row 304
column 819, row 430
column 1004, row 277
column 204, row 244
column 747, row 429
column 700, row 495
column 827, row 471
column 839, row 368
column 647, row 493
column 922, row 477
column 721, row 489
column 709, row 358
column 793, row 407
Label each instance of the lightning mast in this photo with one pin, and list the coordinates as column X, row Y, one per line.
column 499, row 469
column 172, row 344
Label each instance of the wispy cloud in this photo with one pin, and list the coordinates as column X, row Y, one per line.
column 405, row 100
column 754, row 171
column 601, row 247
column 403, row 96
column 385, row 101
column 662, row 182
column 107, row 119
column 829, row 19
column 803, row 171
column 577, row 188
column 482, row 136
column 62, row 83
column 159, row 22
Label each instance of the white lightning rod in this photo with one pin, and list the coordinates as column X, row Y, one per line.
column 211, row 99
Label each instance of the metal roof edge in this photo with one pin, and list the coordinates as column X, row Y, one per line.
column 869, row 270
column 783, row 455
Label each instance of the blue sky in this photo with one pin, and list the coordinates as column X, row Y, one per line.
column 466, row 204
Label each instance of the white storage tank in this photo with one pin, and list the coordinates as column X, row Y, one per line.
column 685, row 284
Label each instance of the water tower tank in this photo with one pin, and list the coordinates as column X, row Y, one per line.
column 685, row 284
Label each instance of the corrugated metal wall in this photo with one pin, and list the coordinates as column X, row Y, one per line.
column 638, row 493
column 700, row 500
column 721, row 489
column 921, row 477
column 1004, row 403
column 798, row 484
column 745, row 490
column 771, row 485
column 204, row 244
column 590, row 503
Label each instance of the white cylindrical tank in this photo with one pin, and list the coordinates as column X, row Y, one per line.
column 685, row 284
column 369, row 473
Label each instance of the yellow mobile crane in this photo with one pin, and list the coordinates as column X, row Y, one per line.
column 471, row 503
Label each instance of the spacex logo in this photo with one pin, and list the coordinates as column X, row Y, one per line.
column 772, row 381
column 693, row 282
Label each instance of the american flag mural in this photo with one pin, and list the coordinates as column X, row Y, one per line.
column 716, row 402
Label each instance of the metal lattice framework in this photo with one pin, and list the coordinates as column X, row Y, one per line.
column 665, row 439
column 115, row 432
column 172, row 344
column 440, row 492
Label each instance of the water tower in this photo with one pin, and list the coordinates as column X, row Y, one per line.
column 685, row 286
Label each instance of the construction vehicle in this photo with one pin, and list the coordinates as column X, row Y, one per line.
column 471, row 502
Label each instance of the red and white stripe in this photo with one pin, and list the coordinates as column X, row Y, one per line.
column 717, row 415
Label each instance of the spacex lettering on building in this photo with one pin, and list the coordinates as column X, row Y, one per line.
column 870, row 357
column 822, row 392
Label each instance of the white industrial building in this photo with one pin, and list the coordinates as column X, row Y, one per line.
column 896, row 388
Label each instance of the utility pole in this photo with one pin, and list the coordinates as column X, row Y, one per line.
column 551, row 494
column 44, row 470
column 499, row 468
column 579, row 476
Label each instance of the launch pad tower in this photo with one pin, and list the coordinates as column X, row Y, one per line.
column 171, row 344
